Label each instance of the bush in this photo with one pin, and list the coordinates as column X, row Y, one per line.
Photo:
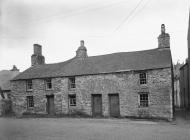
column 6, row 107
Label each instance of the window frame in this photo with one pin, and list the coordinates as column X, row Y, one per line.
column 29, row 85
column 143, row 79
column 48, row 82
column 72, row 83
column 30, row 101
column 143, row 101
column 72, row 100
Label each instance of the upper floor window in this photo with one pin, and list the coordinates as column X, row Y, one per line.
column 72, row 82
column 30, row 101
column 143, row 78
column 48, row 83
column 143, row 99
column 29, row 85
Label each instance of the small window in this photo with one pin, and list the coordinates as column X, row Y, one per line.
column 29, row 85
column 48, row 83
column 72, row 82
column 72, row 100
column 143, row 99
column 143, row 78
column 30, row 101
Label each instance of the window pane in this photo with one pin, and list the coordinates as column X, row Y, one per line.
column 48, row 84
column 30, row 101
column 72, row 100
column 143, row 79
column 29, row 84
column 72, row 82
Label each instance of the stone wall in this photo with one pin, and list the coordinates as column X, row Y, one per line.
column 126, row 84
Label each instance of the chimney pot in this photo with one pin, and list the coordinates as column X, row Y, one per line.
column 163, row 29
column 82, row 43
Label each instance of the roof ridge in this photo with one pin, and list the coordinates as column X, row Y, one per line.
column 120, row 61
column 126, row 52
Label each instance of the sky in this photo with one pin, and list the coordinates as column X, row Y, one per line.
column 106, row 26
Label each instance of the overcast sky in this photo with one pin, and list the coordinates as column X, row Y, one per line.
column 106, row 26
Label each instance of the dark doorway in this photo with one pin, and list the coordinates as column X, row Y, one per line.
column 50, row 104
column 96, row 105
column 114, row 105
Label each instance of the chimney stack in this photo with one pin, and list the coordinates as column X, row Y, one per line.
column 14, row 68
column 164, row 38
column 37, row 58
column 81, row 51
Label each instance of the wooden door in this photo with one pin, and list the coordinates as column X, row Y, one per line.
column 114, row 105
column 50, row 104
column 96, row 105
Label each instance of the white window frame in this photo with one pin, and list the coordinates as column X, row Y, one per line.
column 141, row 104
column 143, row 80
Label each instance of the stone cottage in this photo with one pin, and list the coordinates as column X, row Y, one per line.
column 126, row 84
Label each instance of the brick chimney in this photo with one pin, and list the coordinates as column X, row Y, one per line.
column 37, row 58
column 81, row 51
column 163, row 38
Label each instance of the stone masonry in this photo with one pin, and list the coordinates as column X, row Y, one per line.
column 126, row 84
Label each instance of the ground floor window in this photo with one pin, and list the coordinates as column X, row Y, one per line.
column 72, row 100
column 143, row 99
column 30, row 101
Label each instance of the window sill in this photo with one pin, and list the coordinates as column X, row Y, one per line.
column 49, row 89
column 72, row 89
column 143, row 84
column 30, row 108
column 72, row 106
column 29, row 90
column 144, row 107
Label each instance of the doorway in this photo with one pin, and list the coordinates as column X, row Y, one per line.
column 96, row 105
column 114, row 105
column 50, row 104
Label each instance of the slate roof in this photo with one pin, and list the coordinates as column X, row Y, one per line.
column 116, row 62
column 5, row 77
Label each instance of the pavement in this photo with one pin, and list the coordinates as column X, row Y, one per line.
column 95, row 129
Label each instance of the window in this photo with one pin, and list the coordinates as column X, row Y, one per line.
column 72, row 82
column 143, row 78
column 143, row 99
column 72, row 100
column 30, row 101
column 29, row 85
column 48, row 84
